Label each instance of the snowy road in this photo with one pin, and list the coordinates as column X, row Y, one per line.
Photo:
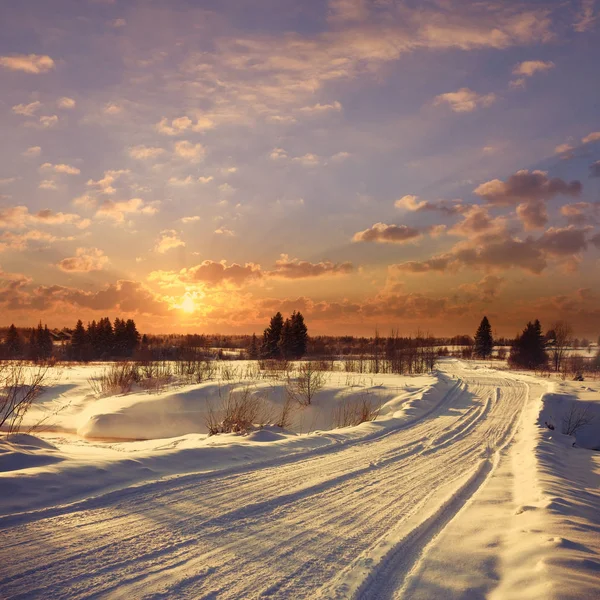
column 351, row 521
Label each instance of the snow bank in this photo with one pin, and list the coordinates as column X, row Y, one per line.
column 567, row 407
column 21, row 452
column 92, row 449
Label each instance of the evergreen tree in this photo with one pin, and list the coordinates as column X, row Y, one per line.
column 253, row 348
column 45, row 343
column 286, row 341
column 529, row 349
column 78, row 345
column 484, row 342
column 271, row 336
column 120, row 345
column 13, row 343
column 299, row 333
column 132, row 337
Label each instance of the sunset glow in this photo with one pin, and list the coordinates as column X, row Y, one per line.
column 369, row 164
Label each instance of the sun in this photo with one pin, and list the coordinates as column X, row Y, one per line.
column 188, row 305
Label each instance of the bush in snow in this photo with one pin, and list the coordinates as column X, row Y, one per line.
column 308, row 381
column 20, row 384
column 239, row 412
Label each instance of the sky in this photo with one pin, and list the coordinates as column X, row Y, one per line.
column 198, row 166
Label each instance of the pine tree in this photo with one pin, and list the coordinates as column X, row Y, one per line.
column 78, row 345
column 484, row 342
column 13, row 343
column 271, row 336
column 286, row 341
column 132, row 337
column 253, row 348
column 45, row 343
column 299, row 333
column 529, row 349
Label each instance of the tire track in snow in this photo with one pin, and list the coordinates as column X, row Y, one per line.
column 281, row 531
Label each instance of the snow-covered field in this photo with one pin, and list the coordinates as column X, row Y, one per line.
column 458, row 489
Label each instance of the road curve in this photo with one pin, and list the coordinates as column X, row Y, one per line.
column 346, row 523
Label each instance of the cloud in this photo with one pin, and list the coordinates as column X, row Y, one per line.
column 580, row 213
column 27, row 110
column 478, row 222
column 32, row 151
column 118, row 210
column 112, row 109
column 48, row 121
column 61, row 168
column 180, row 125
column 181, row 182
column 169, row 239
column 595, row 169
column 188, row 151
column 465, row 100
column 307, row 160
column 322, row 108
column 18, row 217
column 294, row 268
column 205, row 179
column 391, row 234
column 22, row 241
column 526, row 186
column 28, row 63
column 117, row 23
column 105, row 185
column 533, row 214
column 84, row 261
column 529, row 68
column 66, row 103
column 145, row 152
column 485, row 290
column 564, row 149
column 173, row 127
column 278, row 154
column 585, row 18
column 591, row 137
column 412, row 203
column 211, row 273
column 47, row 184
column 506, row 252
column 130, row 297
column 225, row 232
column 191, row 219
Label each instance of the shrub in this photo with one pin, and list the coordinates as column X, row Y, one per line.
column 351, row 412
column 20, row 385
column 239, row 413
column 306, row 384
column 118, row 378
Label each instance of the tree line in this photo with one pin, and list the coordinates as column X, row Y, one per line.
column 99, row 340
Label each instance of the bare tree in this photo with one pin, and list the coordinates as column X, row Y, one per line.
column 577, row 417
column 308, row 382
column 563, row 333
column 20, row 384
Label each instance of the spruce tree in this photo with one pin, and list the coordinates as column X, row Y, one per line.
column 132, row 337
column 299, row 333
column 484, row 343
column 271, row 337
column 253, row 348
column 286, row 341
column 13, row 343
column 77, row 348
column 529, row 349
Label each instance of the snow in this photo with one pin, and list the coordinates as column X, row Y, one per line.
column 458, row 489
